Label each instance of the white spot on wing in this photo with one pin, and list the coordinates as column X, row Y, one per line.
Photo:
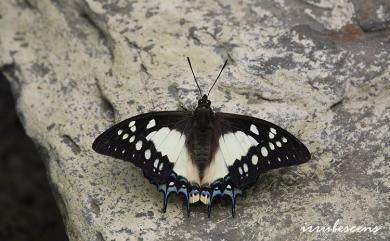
column 271, row 135
column 124, row 137
column 138, row 145
column 155, row 163
column 271, row 146
column 254, row 129
column 264, row 151
column 152, row 123
column 133, row 128
column 284, row 140
column 245, row 166
column 131, row 123
column 131, row 139
column 240, row 170
column 278, row 144
column 273, row 130
column 147, row 154
column 160, row 167
column 255, row 160
column 120, row 132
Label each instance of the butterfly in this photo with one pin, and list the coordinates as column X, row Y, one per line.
column 201, row 154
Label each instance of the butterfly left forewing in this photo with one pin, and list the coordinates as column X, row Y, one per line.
column 150, row 141
column 251, row 146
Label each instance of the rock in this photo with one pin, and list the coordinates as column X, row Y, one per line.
column 373, row 15
column 77, row 67
column 26, row 198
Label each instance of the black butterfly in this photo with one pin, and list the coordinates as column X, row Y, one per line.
column 201, row 154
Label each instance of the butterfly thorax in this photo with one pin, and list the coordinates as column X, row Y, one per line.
column 203, row 115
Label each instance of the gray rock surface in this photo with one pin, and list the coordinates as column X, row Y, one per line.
column 77, row 67
column 373, row 15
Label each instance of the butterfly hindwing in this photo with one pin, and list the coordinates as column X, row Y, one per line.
column 251, row 146
column 151, row 141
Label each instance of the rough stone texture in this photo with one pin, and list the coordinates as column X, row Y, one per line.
column 373, row 15
column 77, row 67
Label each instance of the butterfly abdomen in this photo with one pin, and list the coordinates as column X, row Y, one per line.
column 201, row 145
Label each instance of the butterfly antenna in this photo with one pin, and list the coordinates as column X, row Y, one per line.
column 200, row 91
column 224, row 65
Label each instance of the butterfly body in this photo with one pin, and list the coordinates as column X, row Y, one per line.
column 201, row 154
column 202, row 141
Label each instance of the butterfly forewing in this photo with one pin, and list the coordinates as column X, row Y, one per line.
column 251, row 146
column 150, row 141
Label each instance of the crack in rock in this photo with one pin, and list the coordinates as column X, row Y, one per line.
column 74, row 147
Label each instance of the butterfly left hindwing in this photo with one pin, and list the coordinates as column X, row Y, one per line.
column 151, row 141
column 251, row 146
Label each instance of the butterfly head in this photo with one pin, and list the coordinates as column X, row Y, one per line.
column 204, row 102
column 203, row 114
